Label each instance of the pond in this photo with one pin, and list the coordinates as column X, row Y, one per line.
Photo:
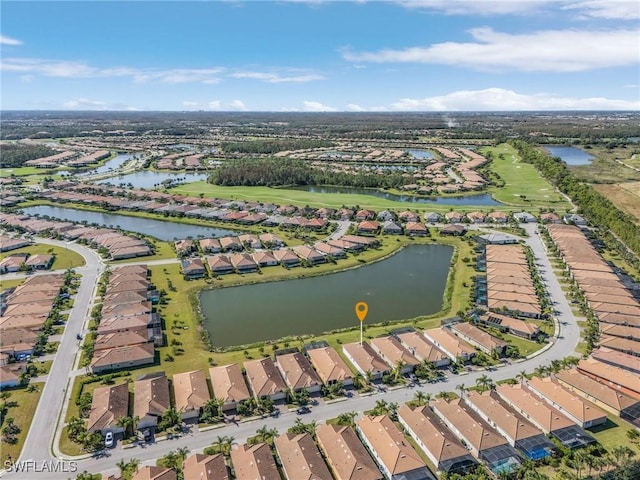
column 483, row 199
column 406, row 285
column 420, row 154
column 113, row 164
column 162, row 230
column 151, row 179
column 570, row 155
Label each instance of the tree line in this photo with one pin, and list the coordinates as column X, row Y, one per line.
column 16, row 155
column 598, row 209
column 270, row 172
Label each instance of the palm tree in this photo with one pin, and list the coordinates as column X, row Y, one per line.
column 521, row 376
column 484, row 383
column 358, row 380
column 420, row 398
column 461, row 388
column 267, row 435
column 347, row 419
column 182, row 452
column 397, row 369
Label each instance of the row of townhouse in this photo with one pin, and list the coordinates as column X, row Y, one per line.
column 23, row 313
column 117, row 245
column 129, row 328
column 616, row 307
column 509, row 284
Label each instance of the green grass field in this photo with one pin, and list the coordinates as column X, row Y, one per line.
column 283, row 196
column 64, row 258
column 523, row 184
column 22, row 406
column 4, row 284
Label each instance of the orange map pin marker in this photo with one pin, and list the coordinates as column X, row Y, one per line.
column 361, row 310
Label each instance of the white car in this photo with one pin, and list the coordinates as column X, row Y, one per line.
column 109, row 441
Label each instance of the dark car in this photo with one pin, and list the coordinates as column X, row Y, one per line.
column 303, row 410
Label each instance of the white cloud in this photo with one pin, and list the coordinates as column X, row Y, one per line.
column 215, row 105
column 609, row 9
column 74, row 69
column 549, row 50
column 311, row 106
column 492, row 99
column 477, row 7
column 4, row 40
column 275, row 78
column 85, row 104
column 354, row 107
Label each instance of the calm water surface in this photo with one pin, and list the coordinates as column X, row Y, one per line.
column 151, row 179
column 166, row 231
column 570, row 155
column 483, row 199
column 113, row 164
column 406, row 285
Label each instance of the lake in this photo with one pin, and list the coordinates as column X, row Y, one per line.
column 420, row 154
column 570, row 155
column 113, row 164
column 166, row 231
column 483, row 199
column 151, row 179
column 406, row 285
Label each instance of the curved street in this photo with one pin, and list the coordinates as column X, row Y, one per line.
column 41, row 435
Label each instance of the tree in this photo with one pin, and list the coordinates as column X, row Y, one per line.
column 522, row 376
column 75, row 427
column 421, row 398
column 212, row 410
column 461, row 389
column 347, row 419
column 300, row 427
column 397, row 370
column 170, row 418
column 266, row 435
column 127, row 469
column 484, row 383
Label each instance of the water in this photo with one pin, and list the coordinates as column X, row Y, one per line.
column 162, row 230
column 406, row 285
column 420, row 154
column 113, row 164
column 483, row 199
column 570, row 155
column 151, row 179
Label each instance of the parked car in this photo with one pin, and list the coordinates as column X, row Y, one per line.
column 303, row 410
column 109, row 441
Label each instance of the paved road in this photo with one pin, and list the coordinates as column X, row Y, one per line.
column 43, row 428
column 562, row 346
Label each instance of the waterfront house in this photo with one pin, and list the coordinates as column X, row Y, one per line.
column 219, row 264
column 192, row 268
column 366, row 360
column 264, row 379
column 151, row 399
column 191, row 392
column 228, row 385
column 298, row 372
column 330, row 366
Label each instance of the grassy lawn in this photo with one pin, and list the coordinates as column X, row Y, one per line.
column 64, row 258
column 614, row 433
column 24, row 171
column 163, row 251
column 283, row 196
column 22, row 406
column 605, row 167
column 4, row 284
column 523, row 184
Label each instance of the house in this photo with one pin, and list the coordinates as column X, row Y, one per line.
column 108, row 405
column 497, row 239
column 476, row 217
column 243, row 262
column 210, row 245
column 416, row 229
column 345, row 214
column 151, row 399
column 154, row 473
column 347, row 457
column 254, row 462
column 300, row 457
column 580, row 411
column 269, row 240
column 13, row 263
column 315, row 224
column 482, row 440
column 264, row 259
column 479, row 338
column 18, row 342
column 298, row 372
column 191, row 392
column 286, row 257
column 231, row 244
column 369, row 227
column 219, row 264
column 455, row 230
column 550, row 217
column 366, row 360
column 39, row 261
column 440, row 445
column 184, row 247
column 8, row 243
column 192, row 268
column 329, row 250
column 129, row 356
column 250, row 241
column 330, row 366
column 394, row 353
column 498, row 217
column 206, row 467
column 432, row 217
column 264, row 379
column 508, row 324
column 119, row 339
column 393, row 454
column 385, row 216
column 605, row 397
column 422, row 348
column 616, row 377
column 389, row 227
column 364, row 214
column 524, row 217
column 544, row 416
column 9, row 376
column 228, row 385
column 408, row 216
column 308, row 254
column 453, row 217
column 574, row 219
column 519, row 432
column 325, row 212
column 452, row 346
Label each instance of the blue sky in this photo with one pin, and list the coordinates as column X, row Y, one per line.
column 419, row 55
